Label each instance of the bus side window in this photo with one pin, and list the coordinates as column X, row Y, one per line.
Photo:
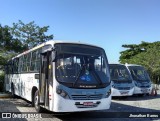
column 32, row 67
column 11, row 67
column 35, row 61
column 15, row 65
column 26, row 62
column 20, row 64
column 28, row 59
column 38, row 60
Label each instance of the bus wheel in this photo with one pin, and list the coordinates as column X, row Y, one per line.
column 12, row 91
column 36, row 105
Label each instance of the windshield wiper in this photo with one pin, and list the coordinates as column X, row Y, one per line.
column 79, row 73
column 98, row 79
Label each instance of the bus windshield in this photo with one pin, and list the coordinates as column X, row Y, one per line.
column 139, row 73
column 119, row 73
column 81, row 67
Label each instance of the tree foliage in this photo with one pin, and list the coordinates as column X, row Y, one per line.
column 29, row 34
column 145, row 54
column 7, row 45
column 20, row 37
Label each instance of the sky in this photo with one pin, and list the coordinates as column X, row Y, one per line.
column 105, row 23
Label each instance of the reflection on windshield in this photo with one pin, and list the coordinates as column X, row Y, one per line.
column 139, row 74
column 119, row 73
column 81, row 69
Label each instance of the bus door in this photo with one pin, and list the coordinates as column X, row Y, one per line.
column 44, row 79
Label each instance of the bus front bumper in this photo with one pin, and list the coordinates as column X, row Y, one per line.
column 67, row 105
column 138, row 90
column 116, row 92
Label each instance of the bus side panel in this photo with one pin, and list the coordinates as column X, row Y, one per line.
column 7, row 83
column 27, row 82
column 16, row 82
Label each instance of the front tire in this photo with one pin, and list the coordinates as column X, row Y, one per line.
column 36, row 105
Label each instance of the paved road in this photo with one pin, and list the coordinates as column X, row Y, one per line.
column 139, row 105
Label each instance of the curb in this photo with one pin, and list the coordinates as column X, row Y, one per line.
column 5, row 95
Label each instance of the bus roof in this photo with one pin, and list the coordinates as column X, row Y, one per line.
column 52, row 42
column 58, row 41
column 116, row 64
column 132, row 64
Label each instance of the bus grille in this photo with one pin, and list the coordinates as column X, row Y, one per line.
column 124, row 88
column 87, row 97
column 145, row 86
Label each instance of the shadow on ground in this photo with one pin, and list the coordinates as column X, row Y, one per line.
column 8, row 106
column 121, row 114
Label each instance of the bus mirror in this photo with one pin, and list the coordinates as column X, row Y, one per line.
column 36, row 76
column 54, row 60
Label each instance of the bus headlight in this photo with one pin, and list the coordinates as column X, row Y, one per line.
column 58, row 91
column 62, row 93
column 108, row 93
column 136, row 84
column 113, row 86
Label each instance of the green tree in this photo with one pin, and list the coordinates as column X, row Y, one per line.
column 133, row 50
column 145, row 54
column 29, row 34
column 20, row 37
column 6, row 45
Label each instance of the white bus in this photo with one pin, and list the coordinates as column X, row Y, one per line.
column 61, row 77
column 140, row 78
column 121, row 82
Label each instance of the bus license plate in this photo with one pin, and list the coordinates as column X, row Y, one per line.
column 88, row 103
column 124, row 93
column 144, row 90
